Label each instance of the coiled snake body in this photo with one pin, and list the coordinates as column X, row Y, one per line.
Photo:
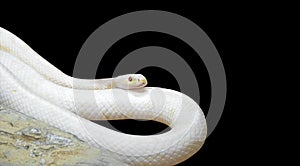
column 31, row 85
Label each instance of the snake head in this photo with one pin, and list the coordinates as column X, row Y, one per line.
column 130, row 81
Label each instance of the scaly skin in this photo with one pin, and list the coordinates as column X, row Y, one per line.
column 31, row 85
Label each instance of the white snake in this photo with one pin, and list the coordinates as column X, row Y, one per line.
column 31, row 85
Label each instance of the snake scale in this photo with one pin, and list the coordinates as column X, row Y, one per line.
column 31, row 85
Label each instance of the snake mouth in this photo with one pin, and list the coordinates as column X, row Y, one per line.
column 143, row 83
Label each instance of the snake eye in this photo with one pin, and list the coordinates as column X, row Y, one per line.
column 130, row 79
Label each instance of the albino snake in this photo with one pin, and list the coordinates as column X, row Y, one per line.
column 31, row 85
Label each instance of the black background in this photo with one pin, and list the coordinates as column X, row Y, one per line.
column 58, row 34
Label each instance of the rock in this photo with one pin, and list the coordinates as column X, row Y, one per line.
column 26, row 141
